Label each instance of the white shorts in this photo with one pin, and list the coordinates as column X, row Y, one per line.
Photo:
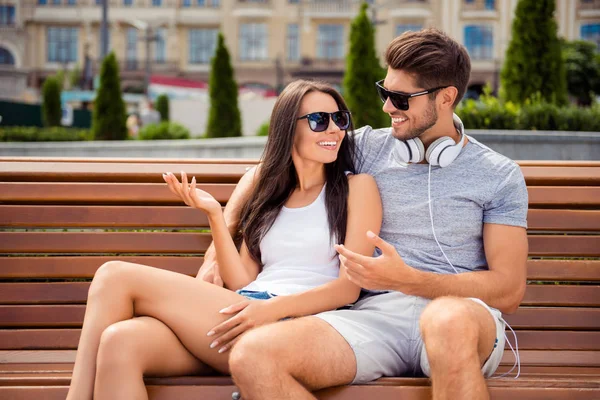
column 383, row 331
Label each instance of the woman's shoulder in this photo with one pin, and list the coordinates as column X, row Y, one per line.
column 357, row 182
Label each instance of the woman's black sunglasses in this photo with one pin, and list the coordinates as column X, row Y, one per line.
column 319, row 121
column 399, row 99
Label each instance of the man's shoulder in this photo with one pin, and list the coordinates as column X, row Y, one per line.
column 490, row 160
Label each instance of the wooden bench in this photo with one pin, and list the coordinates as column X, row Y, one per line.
column 61, row 219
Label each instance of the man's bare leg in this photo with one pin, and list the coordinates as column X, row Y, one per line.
column 459, row 336
column 289, row 359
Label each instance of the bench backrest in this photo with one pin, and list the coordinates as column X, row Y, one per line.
column 61, row 219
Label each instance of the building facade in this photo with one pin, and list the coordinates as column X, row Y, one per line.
column 270, row 41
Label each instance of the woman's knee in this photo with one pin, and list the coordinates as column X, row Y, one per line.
column 108, row 278
column 119, row 348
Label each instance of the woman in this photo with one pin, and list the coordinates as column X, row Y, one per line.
column 146, row 321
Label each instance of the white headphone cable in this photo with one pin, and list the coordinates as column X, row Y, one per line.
column 516, row 354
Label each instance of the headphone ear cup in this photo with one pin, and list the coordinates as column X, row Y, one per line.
column 417, row 150
column 436, row 153
column 402, row 152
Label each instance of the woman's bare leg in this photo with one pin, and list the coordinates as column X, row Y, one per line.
column 121, row 291
column 138, row 347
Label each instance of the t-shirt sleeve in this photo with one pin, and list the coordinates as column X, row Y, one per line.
column 508, row 205
column 363, row 146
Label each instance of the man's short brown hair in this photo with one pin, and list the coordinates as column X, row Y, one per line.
column 433, row 58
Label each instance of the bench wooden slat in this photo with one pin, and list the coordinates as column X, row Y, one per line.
column 563, row 270
column 564, row 245
column 573, row 358
column 86, row 266
column 122, row 172
column 184, row 216
column 169, row 242
column 157, row 193
column 565, row 196
column 71, row 316
column 100, row 193
column 549, row 318
column 170, row 392
column 103, row 242
column 248, row 161
column 557, row 176
column 102, row 217
column 68, row 339
column 563, row 220
column 76, row 292
column 562, row 295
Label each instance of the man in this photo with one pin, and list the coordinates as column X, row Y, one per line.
column 453, row 250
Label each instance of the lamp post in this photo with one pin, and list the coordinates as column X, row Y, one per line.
column 104, row 49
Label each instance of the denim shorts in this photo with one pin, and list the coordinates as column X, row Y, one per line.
column 253, row 295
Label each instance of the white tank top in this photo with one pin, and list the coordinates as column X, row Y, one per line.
column 297, row 252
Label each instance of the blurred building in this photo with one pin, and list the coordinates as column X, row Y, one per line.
column 271, row 41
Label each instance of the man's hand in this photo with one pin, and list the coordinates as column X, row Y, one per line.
column 209, row 271
column 248, row 314
column 386, row 272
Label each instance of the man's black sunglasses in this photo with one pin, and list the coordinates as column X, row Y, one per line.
column 399, row 99
column 319, row 121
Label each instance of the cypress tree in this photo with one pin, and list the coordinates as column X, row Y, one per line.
column 583, row 70
column 162, row 106
column 108, row 119
column 533, row 60
column 51, row 103
column 224, row 115
column 362, row 71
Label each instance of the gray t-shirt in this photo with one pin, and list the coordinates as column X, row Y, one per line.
column 480, row 186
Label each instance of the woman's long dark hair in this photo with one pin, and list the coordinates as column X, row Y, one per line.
column 277, row 176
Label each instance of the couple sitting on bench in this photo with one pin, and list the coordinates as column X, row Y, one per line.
column 367, row 253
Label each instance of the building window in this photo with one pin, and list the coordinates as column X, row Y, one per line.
column 62, row 44
column 591, row 32
column 479, row 41
column 6, row 57
column 160, row 51
column 99, row 2
column 490, row 4
column 401, row 28
column 293, row 42
column 42, row 2
column 7, row 15
column 71, row 2
column 293, row 1
column 56, row 2
column 330, row 42
column 253, row 42
column 202, row 44
column 216, row 3
column 127, row 3
column 186, row 3
column 156, row 3
column 131, row 49
column 201, row 3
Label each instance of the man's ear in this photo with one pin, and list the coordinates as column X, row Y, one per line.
column 447, row 96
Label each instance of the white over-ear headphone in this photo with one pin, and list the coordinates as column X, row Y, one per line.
column 440, row 153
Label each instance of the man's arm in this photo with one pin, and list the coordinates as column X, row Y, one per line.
column 502, row 287
column 209, row 271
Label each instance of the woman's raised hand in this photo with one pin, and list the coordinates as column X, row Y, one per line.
column 190, row 195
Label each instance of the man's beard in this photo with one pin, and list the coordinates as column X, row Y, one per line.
column 429, row 119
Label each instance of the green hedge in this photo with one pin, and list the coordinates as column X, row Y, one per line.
column 489, row 113
column 263, row 130
column 164, row 130
column 35, row 134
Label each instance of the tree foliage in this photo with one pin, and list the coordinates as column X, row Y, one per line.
column 224, row 115
column 108, row 119
column 533, row 62
column 362, row 71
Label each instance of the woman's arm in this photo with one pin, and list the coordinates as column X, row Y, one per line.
column 364, row 214
column 236, row 270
